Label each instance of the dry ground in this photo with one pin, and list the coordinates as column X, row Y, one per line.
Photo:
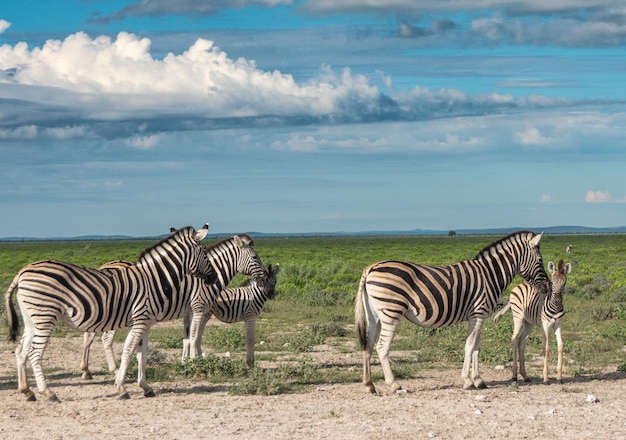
column 435, row 407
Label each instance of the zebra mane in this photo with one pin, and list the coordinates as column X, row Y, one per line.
column 187, row 230
column 487, row 249
column 228, row 242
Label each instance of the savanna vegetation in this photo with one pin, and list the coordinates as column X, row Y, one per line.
column 316, row 290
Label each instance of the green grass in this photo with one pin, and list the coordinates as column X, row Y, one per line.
column 314, row 305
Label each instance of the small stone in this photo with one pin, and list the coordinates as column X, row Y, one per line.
column 592, row 399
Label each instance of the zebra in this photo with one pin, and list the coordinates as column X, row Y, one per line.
column 228, row 257
column 531, row 307
column 95, row 300
column 243, row 303
column 440, row 296
column 569, row 249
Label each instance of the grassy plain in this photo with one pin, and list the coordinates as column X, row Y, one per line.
column 316, row 290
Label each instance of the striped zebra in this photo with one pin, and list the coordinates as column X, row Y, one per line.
column 531, row 307
column 228, row 257
column 95, row 300
column 243, row 303
column 440, row 296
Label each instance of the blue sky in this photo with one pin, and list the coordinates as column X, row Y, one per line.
column 128, row 117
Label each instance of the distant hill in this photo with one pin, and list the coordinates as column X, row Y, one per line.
column 487, row 231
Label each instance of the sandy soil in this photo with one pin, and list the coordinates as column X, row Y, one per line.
column 435, row 407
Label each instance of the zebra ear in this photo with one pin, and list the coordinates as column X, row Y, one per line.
column 238, row 240
column 202, row 232
column 551, row 267
column 568, row 268
column 276, row 268
column 173, row 229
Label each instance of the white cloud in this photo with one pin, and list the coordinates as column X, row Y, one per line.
column 532, row 136
column 4, row 25
column 546, row 198
column 144, row 142
column 598, row 197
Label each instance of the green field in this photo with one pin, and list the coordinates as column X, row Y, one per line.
column 316, row 290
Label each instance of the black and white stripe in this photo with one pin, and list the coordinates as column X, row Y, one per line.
column 440, row 296
column 95, row 300
column 532, row 307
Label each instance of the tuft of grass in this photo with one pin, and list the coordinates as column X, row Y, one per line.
column 211, row 367
column 261, row 383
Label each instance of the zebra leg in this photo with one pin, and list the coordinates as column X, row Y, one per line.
column 107, row 343
column 546, row 352
column 142, row 357
column 195, row 343
column 21, row 356
column 470, row 372
column 250, row 339
column 515, row 344
column 559, row 343
column 186, row 332
column 135, row 335
column 387, row 332
column 88, row 338
column 522, row 350
column 37, row 348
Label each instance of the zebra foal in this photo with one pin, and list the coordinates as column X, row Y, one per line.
column 531, row 307
column 228, row 258
column 244, row 303
column 95, row 300
column 440, row 296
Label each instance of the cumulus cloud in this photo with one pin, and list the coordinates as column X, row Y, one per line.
column 602, row 197
column 92, row 83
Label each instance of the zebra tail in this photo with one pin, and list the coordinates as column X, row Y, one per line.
column 500, row 314
column 359, row 312
column 11, row 314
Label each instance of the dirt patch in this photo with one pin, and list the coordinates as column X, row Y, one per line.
column 435, row 406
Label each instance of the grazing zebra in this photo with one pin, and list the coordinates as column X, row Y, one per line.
column 95, row 300
column 243, row 303
column 531, row 307
column 440, row 296
column 228, row 257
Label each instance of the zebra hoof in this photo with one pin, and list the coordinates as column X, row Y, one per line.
column 87, row 375
column 30, row 397
column 53, row 398
column 124, row 396
column 149, row 394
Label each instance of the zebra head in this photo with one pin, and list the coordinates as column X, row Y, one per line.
column 531, row 263
column 269, row 281
column 247, row 260
column 559, row 277
column 199, row 263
